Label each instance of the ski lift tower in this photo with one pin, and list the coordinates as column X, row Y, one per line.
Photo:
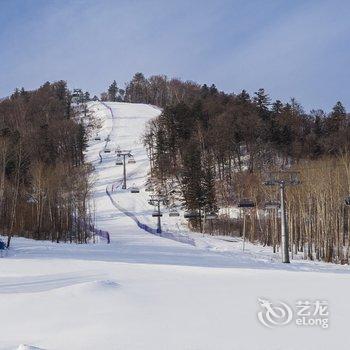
column 156, row 200
column 124, row 154
column 283, row 179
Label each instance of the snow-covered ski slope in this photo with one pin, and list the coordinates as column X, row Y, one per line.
column 143, row 291
column 124, row 124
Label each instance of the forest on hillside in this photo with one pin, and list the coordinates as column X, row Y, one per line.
column 44, row 183
column 208, row 150
column 212, row 149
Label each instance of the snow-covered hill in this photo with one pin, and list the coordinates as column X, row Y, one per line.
column 143, row 291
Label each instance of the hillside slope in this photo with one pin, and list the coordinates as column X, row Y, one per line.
column 143, row 291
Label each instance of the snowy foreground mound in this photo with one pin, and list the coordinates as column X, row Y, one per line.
column 147, row 292
column 27, row 347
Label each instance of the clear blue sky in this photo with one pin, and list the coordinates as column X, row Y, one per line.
column 291, row 48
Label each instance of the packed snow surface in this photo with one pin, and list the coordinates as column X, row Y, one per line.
column 143, row 291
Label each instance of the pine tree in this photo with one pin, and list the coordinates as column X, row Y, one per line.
column 262, row 102
column 15, row 94
column 136, row 90
column 277, row 107
column 113, row 92
column 82, row 143
column 243, row 97
column 24, row 94
column 339, row 110
column 336, row 119
column 86, row 96
column 213, row 90
column 104, row 96
column 192, row 183
column 204, row 91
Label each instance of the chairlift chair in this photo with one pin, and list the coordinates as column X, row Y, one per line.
column 134, row 189
column 119, row 161
column 271, row 205
column 211, row 216
column 173, row 213
column 246, row 203
column 191, row 215
column 131, row 160
column 156, row 214
column 97, row 138
column 107, row 150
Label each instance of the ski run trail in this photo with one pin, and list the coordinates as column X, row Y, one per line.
column 143, row 291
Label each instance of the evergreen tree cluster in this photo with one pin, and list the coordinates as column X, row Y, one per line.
column 79, row 96
column 113, row 94
column 208, row 136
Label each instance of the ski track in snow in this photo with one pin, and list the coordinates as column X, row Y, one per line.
column 43, row 282
column 143, row 291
